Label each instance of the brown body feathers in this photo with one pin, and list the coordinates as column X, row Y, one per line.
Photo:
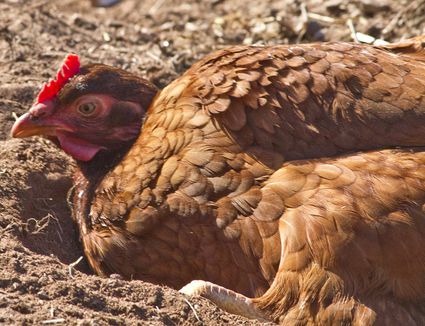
column 290, row 174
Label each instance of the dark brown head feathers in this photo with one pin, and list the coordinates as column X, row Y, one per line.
column 103, row 79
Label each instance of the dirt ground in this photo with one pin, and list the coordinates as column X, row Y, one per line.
column 158, row 39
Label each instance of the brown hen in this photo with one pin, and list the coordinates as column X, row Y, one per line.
column 292, row 175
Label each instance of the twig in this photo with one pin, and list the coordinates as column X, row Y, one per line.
column 321, row 18
column 132, row 8
column 59, row 235
column 352, row 30
column 393, row 22
column 156, row 6
column 301, row 28
column 39, row 225
column 55, row 218
column 72, row 265
column 6, row 229
column 12, row 102
column 194, row 311
column 71, row 27
column 153, row 56
column 36, row 5
column 304, row 13
column 53, row 321
column 53, row 54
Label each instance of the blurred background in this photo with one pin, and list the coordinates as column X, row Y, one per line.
column 162, row 38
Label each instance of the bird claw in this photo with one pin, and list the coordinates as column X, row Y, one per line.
column 226, row 299
column 196, row 287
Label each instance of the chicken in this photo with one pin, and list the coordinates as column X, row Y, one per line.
column 287, row 182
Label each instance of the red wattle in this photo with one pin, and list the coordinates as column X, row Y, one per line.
column 79, row 149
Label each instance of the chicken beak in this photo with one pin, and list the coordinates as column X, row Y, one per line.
column 27, row 126
column 37, row 121
column 24, row 127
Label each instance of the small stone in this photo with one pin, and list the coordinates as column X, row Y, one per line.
column 116, row 277
column 151, row 301
column 42, row 295
column 83, row 23
column 334, row 5
column 258, row 28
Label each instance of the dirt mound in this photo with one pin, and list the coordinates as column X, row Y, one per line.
column 155, row 38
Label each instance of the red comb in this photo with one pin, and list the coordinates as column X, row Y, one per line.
column 69, row 68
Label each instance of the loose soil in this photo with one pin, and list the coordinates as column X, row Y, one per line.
column 158, row 39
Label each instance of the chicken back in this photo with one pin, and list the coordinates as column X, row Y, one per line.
column 291, row 178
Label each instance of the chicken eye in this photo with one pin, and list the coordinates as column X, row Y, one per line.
column 87, row 108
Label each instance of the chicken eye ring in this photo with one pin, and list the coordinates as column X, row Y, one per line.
column 87, row 108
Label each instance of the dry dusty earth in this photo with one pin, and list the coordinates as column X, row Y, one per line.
column 158, row 39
